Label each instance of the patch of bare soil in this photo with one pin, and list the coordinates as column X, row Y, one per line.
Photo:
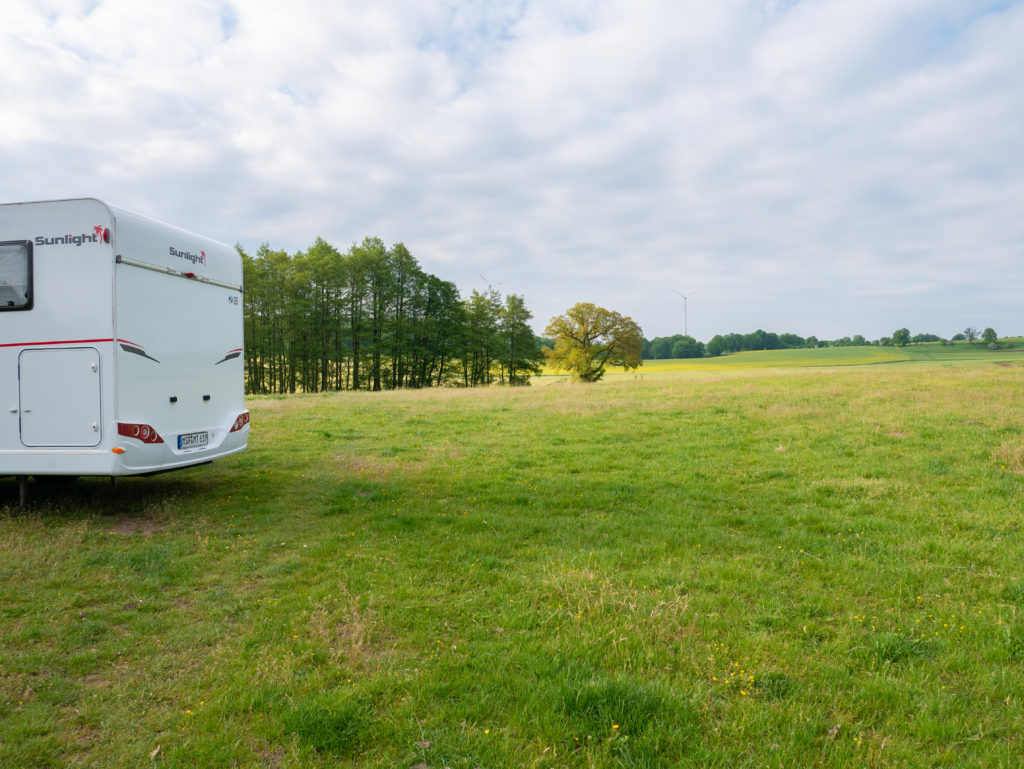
column 134, row 525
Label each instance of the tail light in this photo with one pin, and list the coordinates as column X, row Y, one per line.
column 240, row 422
column 140, row 432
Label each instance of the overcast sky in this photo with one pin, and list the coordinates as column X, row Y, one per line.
column 827, row 167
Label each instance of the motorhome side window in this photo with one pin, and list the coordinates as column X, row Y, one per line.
column 16, row 275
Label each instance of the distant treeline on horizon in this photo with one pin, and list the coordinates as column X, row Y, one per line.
column 681, row 346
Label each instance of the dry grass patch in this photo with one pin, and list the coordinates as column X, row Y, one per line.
column 577, row 402
column 377, row 469
column 380, row 469
column 96, row 681
column 1010, row 456
column 16, row 688
column 342, row 625
column 583, row 592
column 127, row 524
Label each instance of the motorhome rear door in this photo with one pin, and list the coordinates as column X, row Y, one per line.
column 59, row 394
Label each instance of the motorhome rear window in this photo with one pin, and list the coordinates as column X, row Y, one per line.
column 16, row 275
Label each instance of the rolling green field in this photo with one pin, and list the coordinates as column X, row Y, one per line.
column 958, row 354
column 804, row 565
column 825, row 356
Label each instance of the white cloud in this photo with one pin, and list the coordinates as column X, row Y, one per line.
column 797, row 162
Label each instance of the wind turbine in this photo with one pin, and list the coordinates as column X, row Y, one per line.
column 685, row 297
column 489, row 286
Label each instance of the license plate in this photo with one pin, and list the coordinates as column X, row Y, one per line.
column 193, row 440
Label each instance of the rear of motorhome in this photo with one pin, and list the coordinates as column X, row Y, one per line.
column 120, row 343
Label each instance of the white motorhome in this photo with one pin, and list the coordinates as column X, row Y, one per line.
column 120, row 343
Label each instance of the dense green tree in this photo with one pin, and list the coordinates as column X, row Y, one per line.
column 323, row 315
column 482, row 342
column 438, row 328
column 989, row 335
column 757, row 340
column 589, row 338
column 675, row 346
column 687, row 347
column 519, row 357
column 406, row 285
column 901, row 337
column 660, row 348
column 266, row 276
column 733, row 342
column 761, row 340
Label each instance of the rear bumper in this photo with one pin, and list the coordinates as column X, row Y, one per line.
column 137, row 458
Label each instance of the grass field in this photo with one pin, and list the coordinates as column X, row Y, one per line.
column 784, row 567
column 958, row 354
column 826, row 356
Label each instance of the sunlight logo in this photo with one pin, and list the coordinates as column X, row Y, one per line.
column 99, row 235
column 188, row 256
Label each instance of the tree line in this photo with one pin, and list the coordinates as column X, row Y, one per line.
column 370, row 318
column 681, row 346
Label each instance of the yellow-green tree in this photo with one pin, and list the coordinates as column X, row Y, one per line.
column 589, row 338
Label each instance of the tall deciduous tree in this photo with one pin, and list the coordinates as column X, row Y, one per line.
column 589, row 338
column 482, row 343
column 970, row 334
column 519, row 357
column 901, row 337
column 989, row 335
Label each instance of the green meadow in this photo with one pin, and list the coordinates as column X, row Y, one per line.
column 826, row 356
column 958, row 354
column 812, row 563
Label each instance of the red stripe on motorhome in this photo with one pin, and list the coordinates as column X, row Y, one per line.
column 66, row 341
